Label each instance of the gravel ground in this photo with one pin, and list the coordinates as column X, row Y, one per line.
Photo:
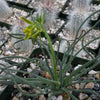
column 9, row 50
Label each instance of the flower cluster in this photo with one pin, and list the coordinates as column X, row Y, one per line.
column 19, row 43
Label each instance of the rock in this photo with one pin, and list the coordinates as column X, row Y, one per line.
column 29, row 98
column 97, row 76
column 82, row 85
column 7, row 53
column 89, row 93
column 14, row 67
column 58, row 67
column 84, row 78
column 63, row 46
column 41, row 97
column 75, row 93
column 96, row 86
column 65, row 96
column 78, row 66
column 33, row 66
column 35, row 98
column 90, row 85
column 67, row 74
column 83, row 96
column 5, row 10
column 19, row 94
column 53, row 98
column 92, row 72
column 91, row 78
column 15, row 98
column 35, row 71
column 47, row 75
column 59, row 98
column 89, row 98
column 94, row 97
column 77, row 86
column 29, row 70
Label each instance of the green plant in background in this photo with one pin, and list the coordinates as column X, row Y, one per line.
column 33, row 31
column 58, row 83
column 79, row 13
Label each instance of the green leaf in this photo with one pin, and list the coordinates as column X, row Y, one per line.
column 42, row 18
column 26, row 20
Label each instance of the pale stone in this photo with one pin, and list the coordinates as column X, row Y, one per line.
column 14, row 67
column 89, row 98
column 33, row 66
column 41, row 97
column 67, row 74
column 97, row 76
column 29, row 70
column 83, row 96
column 77, row 86
column 60, row 98
column 15, row 98
column 9, row 53
column 78, row 66
column 92, row 72
column 58, row 67
column 90, row 85
column 53, row 98
column 82, row 85
column 63, row 46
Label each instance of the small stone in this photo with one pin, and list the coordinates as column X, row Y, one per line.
column 14, row 67
column 58, row 68
column 91, row 78
column 93, row 96
column 29, row 70
column 97, row 76
column 76, row 93
column 33, row 66
column 92, row 72
column 41, row 97
column 89, row 98
column 15, row 98
column 63, row 46
column 60, row 98
column 83, row 96
column 35, row 71
column 82, row 85
column 47, row 75
column 96, row 86
column 77, row 86
column 9, row 53
column 53, row 98
column 65, row 96
column 67, row 74
column 70, row 87
column 78, row 66
column 19, row 95
column 90, row 85
column 84, row 78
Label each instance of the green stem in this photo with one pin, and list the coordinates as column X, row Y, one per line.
column 53, row 55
